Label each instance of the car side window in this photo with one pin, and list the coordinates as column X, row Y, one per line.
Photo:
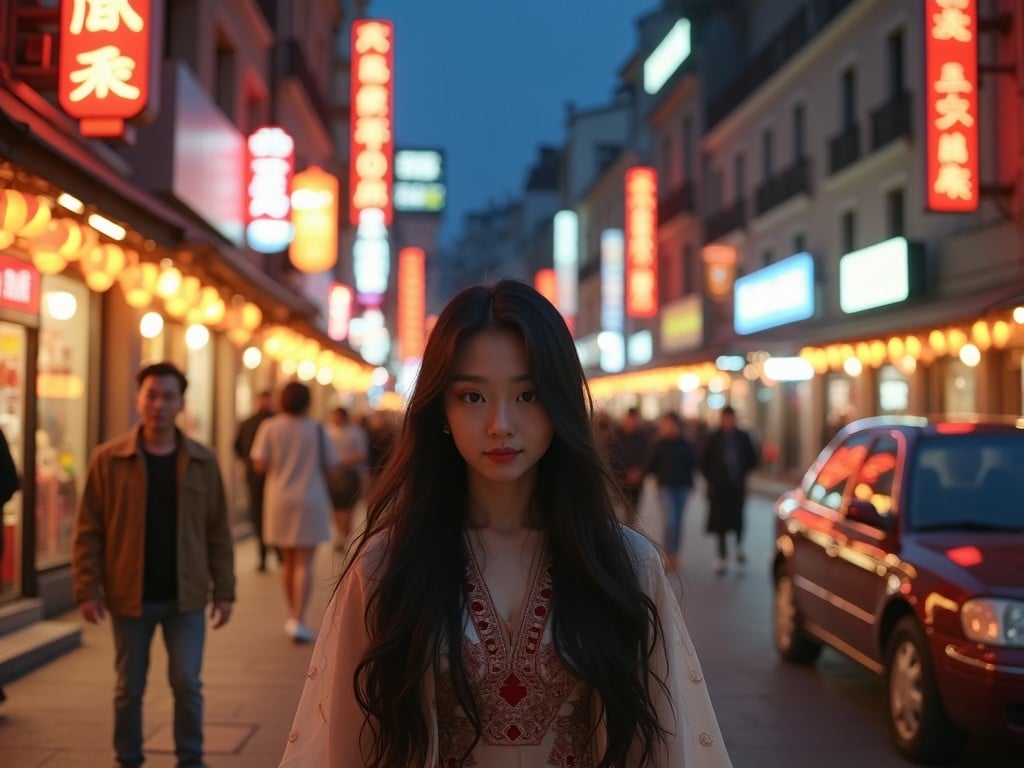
column 845, row 461
column 877, row 474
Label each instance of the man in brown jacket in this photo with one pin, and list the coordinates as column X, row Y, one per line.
column 153, row 547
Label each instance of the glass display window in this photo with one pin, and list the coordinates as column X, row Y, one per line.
column 62, row 430
column 12, row 422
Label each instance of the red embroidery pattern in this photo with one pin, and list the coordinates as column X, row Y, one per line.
column 518, row 689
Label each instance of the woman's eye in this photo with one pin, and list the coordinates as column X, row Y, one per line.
column 471, row 397
column 529, row 396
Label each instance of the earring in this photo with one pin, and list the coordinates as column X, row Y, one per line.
column 446, row 429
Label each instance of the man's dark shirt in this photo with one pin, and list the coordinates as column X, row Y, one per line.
column 160, row 561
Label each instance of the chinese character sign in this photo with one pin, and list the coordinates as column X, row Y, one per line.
column 641, row 242
column 271, row 163
column 19, row 285
column 951, row 104
column 107, row 68
column 371, row 171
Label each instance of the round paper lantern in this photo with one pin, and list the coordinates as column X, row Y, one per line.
column 52, row 249
column 169, row 282
column 101, row 266
column 138, row 282
column 186, row 297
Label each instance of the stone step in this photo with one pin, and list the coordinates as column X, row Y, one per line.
column 20, row 613
column 24, row 649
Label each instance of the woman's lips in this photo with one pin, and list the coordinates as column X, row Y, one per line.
column 502, row 456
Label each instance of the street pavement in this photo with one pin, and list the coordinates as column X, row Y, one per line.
column 831, row 715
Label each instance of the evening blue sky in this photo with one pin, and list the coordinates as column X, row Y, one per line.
column 487, row 82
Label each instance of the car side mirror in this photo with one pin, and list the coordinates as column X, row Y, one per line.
column 863, row 511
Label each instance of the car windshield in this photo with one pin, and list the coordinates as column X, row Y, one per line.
column 971, row 481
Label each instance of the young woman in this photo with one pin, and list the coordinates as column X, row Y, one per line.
column 291, row 450
column 494, row 613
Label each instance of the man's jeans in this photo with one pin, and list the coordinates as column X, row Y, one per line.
column 183, row 634
column 673, row 504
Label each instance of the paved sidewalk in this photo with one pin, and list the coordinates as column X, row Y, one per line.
column 61, row 715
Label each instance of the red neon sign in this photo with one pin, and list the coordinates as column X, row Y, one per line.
column 19, row 285
column 546, row 283
column 641, row 242
column 412, row 303
column 268, row 188
column 371, row 170
column 105, row 71
column 951, row 104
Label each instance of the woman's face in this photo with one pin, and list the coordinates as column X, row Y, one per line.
column 497, row 422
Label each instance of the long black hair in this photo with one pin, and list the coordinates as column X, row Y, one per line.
column 604, row 627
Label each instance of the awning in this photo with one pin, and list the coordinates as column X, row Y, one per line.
column 43, row 141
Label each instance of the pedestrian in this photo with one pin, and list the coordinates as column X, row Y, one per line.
column 153, row 547
column 379, row 435
column 291, row 449
column 350, row 443
column 10, row 483
column 629, row 450
column 255, row 481
column 673, row 462
column 495, row 611
column 729, row 456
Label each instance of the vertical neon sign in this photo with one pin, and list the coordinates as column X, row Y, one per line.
column 641, row 242
column 371, row 170
column 951, row 105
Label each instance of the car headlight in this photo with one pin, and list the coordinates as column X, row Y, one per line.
column 993, row 621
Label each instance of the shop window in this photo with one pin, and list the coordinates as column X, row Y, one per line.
column 61, row 434
column 12, row 421
column 893, row 391
column 960, row 386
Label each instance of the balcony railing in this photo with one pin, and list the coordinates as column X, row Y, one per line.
column 793, row 181
column 725, row 221
column 677, row 201
column 891, row 121
column 844, row 149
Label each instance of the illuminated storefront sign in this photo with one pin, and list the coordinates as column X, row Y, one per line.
column 776, row 295
column 565, row 254
column 719, row 268
column 105, row 73
column 611, row 342
column 340, row 301
column 667, row 57
column 371, row 258
column 372, row 103
column 419, row 181
column 412, row 302
column 951, row 104
column 268, row 188
column 19, row 285
column 315, row 219
column 881, row 274
column 641, row 242
column 682, row 324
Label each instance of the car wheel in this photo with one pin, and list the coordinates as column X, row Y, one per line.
column 918, row 724
column 794, row 645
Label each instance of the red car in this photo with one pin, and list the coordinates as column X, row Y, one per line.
column 903, row 548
